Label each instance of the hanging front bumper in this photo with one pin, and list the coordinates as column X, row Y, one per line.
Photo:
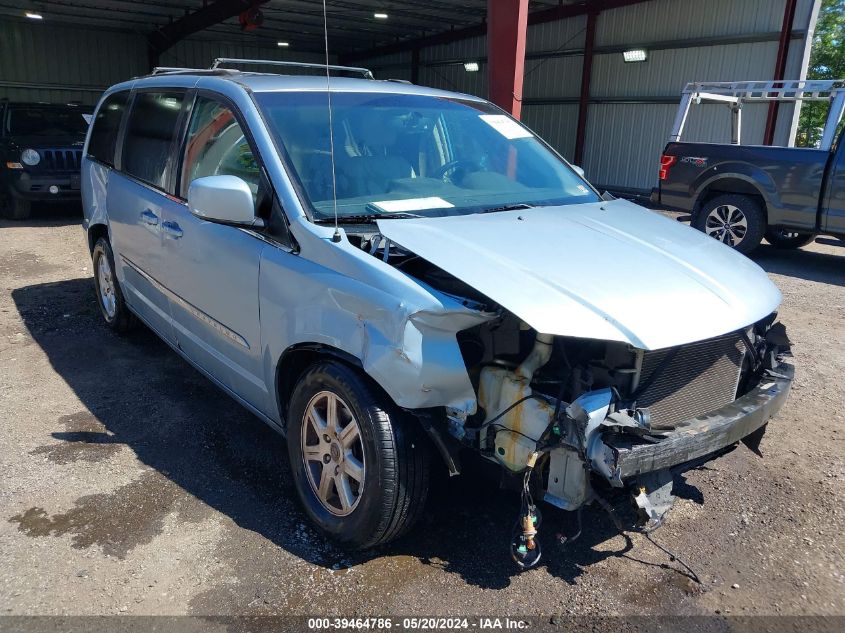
column 702, row 436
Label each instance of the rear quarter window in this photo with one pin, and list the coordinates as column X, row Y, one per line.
column 106, row 125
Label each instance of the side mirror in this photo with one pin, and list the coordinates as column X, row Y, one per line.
column 225, row 199
column 579, row 170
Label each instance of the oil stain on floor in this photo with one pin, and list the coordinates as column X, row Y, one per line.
column 117, row 522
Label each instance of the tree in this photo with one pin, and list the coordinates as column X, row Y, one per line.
column 827, row 61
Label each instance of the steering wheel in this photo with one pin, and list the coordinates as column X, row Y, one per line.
column 447, row 171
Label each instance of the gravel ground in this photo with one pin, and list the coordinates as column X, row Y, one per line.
column 131, row 485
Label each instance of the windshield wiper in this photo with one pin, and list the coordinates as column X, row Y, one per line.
column 508, row 207
column 367, row 217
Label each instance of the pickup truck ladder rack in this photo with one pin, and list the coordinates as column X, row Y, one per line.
column 736, row 93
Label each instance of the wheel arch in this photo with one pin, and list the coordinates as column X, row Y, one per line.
column 730, row 183
column 296, row 360
column 95, row 232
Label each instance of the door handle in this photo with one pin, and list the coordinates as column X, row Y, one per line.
column 171, row 230
column 148, row 217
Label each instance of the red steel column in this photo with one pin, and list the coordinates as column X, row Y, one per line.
column 507, row 24
column 780, row 67
column 584, row 100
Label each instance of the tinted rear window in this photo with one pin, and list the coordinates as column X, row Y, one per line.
column 149, row 136
column 106, row 126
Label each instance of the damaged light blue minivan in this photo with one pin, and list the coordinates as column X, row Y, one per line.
column 410, row 275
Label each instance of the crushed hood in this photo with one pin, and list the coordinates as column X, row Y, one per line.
column 610, row 271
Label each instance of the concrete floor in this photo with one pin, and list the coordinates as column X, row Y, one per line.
column 131, row 485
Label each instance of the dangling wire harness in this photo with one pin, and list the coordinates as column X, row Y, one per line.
column 525, row 549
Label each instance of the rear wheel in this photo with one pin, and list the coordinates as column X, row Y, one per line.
column 734, row 219
column 360, row 465
column 784, row 238
column 109, row 295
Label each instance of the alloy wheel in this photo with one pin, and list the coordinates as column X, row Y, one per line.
column 105, row 281
column 727, row 224
column 333, row 452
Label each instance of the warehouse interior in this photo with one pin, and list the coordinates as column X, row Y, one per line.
column 600, row 80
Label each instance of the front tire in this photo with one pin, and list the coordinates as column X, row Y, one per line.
column 360, row 465
column 786, row 239
column 109, row 294
column 735, row 220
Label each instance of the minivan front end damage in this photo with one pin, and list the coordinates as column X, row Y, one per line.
column 574, row 409
column 623, row 418
column 611, row 394
column 623, row 414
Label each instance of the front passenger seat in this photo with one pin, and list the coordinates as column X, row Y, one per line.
column 375, row 169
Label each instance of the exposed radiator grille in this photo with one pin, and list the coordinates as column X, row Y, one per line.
column 62, row 159
column 700, row 378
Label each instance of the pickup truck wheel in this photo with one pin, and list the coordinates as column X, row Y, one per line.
column 109, row 295
column 360, row 466
column 733, row 219
column 784, row 238
column 17, row 209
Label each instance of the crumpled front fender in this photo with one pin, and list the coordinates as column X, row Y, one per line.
column 404, row 336
column 423, row 367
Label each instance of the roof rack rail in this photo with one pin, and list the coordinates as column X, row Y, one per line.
column 161, row 70
column 366, row 72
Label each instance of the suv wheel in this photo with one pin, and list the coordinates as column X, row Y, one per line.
column 17, row 209
column 733, row 219
column 784, row 238
column 360, row 465
column 109, row 295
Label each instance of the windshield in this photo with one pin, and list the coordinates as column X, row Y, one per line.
column 48, row 121
column 411, row 154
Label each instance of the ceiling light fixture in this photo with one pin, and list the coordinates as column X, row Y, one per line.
column 283, row 44
column 471, row 67
column 380, row 16
column 34, row 16
column 635, row 55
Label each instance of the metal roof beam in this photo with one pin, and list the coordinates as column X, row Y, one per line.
column 374, row 28
column 422, row 12
column 560, row 12
column 76, row 17
column 163, row 38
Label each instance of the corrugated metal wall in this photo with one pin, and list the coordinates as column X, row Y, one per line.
column 624, row 140
column 632, row 106
column 59, row 63
column 44, row 62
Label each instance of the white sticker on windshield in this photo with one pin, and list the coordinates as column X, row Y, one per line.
column 412, row 204
column 88, row 118
column 505, row 126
